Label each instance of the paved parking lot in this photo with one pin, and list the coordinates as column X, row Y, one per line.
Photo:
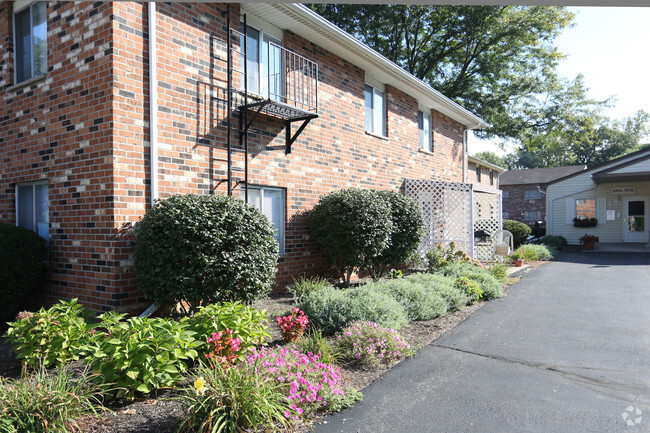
column 567, row 350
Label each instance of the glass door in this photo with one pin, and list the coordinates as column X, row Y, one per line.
column 635, row 226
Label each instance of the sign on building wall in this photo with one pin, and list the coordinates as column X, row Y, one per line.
column 624, row 190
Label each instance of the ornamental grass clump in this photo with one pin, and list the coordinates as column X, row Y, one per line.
column 373, row 345
column 47, row 402
column 308, row 384
column 231, row 400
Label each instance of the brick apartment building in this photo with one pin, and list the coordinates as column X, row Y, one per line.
column 524, row 195
column 88, row 141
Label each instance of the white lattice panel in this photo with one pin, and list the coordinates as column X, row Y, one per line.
column 446, row 209
column 487, row 216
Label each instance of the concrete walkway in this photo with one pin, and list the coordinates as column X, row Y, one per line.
column 567, row 350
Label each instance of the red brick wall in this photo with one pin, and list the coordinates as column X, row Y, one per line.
column 516, row 205
column 90, row 117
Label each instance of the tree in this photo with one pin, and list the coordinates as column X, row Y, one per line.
column 497, row 61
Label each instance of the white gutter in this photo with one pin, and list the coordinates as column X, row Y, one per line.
column 471, row 121
column 153, row 102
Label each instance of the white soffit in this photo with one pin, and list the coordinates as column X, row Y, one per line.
column 311, row 26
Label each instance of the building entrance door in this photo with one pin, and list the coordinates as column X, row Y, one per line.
column 635, row 219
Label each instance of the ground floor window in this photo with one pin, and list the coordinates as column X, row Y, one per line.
column 533, row 215
column 32, row 208
column 585, row 208
column 271, row 202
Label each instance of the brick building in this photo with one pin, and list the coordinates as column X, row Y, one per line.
column 524, row 196
column 88, row 142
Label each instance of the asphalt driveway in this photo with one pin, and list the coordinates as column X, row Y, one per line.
column 567, row 350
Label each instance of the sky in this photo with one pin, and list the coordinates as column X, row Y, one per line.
column 610, row 46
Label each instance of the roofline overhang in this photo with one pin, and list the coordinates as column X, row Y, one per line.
column 486, row 164
column 409, row 83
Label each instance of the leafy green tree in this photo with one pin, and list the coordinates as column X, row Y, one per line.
column 497, row 61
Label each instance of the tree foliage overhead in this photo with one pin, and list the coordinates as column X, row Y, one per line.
column 499, row 62
column 493, row 60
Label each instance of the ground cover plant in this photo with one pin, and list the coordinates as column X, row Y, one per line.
column 488, row 284
column 535, row 252
column 420, row 301
column 192, row 249
column 557, row 242
column 372, row 345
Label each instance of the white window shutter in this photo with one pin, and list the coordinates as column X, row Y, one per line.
column 570, row 210
column 601, row 210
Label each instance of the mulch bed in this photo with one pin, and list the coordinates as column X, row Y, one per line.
column 162, row 413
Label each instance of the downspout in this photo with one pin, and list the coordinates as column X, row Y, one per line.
column 153, row 102
column 465, row 156
column 153, row 120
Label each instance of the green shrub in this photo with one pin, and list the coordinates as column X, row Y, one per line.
column 47, row 402
column 420, row 302
column 22, row 267
column 353, row 226
column 313, row 342
column 140, row 354
column 207, row 248
column 520, row 231
column 441, row 256
column 332, row 310
column 302, row 286
column 557, row 242
column 443, row 286
column 248, row 324
column 500, row 272
column 232, row 400
column 405, row 234
column 536, row 252
column 51, row 337
column 487, row 282
column 373, row 345
column 470, row 288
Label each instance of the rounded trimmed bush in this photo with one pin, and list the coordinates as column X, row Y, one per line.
column 22, row 267
column 520, row 231
column 353, row 226
column 405, row 234
column 204, row 248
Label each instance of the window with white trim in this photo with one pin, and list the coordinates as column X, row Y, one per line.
column 32, row 206
column 491, row 178
column 478, row 173
column 271, row 202
column 533, row 215
column 424, row 131
column 532, row 194
column 585, row 208
column 375, row 110
column 30, row 40
column 264, row 64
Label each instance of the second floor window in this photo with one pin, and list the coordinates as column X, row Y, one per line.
column 424, row 131
column 491, row 177
column 478, row 173
column 30, row 31
column 532, row 194
column 375, row 111
column 264, row 64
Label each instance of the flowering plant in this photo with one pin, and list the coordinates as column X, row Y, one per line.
column 518, row 255
column 308, row 383
column 371, row 344
column 587, row 238
column 223, row 348
column 293, row 325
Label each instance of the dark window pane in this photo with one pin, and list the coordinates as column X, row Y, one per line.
column 636, row 208
column 39, row 35
column 23, row 46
